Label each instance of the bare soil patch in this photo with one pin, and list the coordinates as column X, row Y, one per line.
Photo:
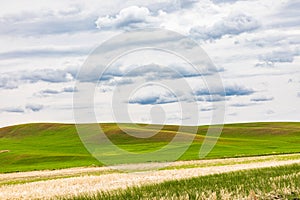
column 4, row 151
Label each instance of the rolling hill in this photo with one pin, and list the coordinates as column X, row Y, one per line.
column 53, row 146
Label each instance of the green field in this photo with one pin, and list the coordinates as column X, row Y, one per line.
column 267, row 183
column 53, row 146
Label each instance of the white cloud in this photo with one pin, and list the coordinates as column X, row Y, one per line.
column 8, row 82
column 47, row 92
column 47, row 22
column 262, row 99
column 34, row 107
column 287, row 15
column 39, row 41
column 242, row 104
column 230, row 90
column 234, row 24
column 50, row 92
column 12, row 80
column 283, row 56
column 12, row 110
column 152, row 94
column 70, row 89
column 45, row 52
column 224, row 1
column 130, row 17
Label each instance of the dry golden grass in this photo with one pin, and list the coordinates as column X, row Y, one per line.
column 68, row 187
column 4, row 151
column 54, row 174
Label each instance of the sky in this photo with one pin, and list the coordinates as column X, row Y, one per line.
column 253, row 46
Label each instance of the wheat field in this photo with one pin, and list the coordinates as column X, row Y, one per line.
column 82, row 182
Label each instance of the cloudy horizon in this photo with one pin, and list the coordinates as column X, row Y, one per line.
column 254, row 46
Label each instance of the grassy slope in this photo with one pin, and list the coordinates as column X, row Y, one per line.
column 42, row 146
column 52, row 146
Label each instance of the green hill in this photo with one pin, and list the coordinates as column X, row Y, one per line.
column 52, row 146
